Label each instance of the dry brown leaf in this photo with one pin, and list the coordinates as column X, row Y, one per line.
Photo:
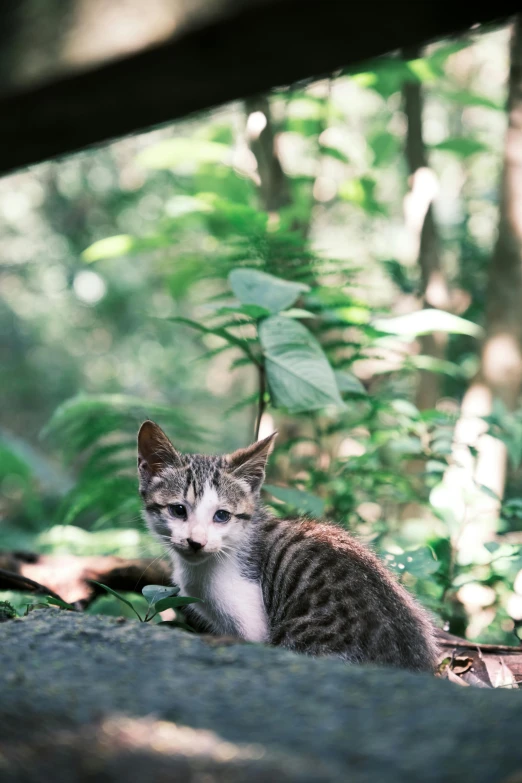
column 505, row 677
column 461, row 664
column 455, row 678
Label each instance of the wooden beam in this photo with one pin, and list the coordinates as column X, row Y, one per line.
column 228, row 49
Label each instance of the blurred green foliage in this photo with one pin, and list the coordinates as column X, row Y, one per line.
column 145, row 279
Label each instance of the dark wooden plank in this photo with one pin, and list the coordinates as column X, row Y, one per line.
column 242, row 48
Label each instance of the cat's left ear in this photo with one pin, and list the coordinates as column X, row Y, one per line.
column 249, row 464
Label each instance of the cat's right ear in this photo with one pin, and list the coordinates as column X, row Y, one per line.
column 155, row 451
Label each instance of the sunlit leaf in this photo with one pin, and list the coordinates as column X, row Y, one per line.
column 301, row 501
column 110, row 247
column 274, row 294
column 422, row 70
column 299, row 375
column 171, row 153
column 427, row 321
column 361, row 191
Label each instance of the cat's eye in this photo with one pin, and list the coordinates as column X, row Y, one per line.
column 178, row 510
column 222, row 516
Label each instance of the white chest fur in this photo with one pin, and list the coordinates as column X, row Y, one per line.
column 232, row 604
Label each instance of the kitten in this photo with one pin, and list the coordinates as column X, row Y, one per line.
column 304, row 585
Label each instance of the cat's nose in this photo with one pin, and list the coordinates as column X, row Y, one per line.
column 195, row 545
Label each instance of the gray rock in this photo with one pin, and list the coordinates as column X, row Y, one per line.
column 86, row 698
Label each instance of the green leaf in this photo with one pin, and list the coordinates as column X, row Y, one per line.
column 249, row 310
column 175, row 602
column 419, row 562
column 299, row 375
column 361, row 191
column 349, row 383
column 439, row 57
column 58, row 602
column 463, row 147
column 171, row 153
column 297, row 499
column 427, row 321
column 421, row 70
column 333, row 152
column 218, row 331
column 468, row 98
column 154, row 593
column 384, row 146
column 253, row 287
column 110, row 247
column 116, row 595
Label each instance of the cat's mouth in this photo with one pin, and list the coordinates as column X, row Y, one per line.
column 195, row 558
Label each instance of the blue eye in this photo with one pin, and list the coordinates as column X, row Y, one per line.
column 222, row 516
column 178, row 510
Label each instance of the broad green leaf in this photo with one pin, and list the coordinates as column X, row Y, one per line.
column 427, row 321
column 175, row 602
column 154, row 593
column 299, row 375
column 463, row 147
column 171, row 153
column 349, row 383
column 118, row 596
column 297, row 499
column 253, row 287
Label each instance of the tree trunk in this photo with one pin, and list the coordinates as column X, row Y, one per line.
column 434, row 290
column 500, row 372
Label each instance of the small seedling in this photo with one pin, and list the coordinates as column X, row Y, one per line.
column 159, row 598
column 7, row 611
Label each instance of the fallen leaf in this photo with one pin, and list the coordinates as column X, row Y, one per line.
column 455, row 678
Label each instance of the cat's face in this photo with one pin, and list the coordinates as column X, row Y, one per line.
column 199, row 506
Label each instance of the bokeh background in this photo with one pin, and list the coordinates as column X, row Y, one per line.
column 379, row 190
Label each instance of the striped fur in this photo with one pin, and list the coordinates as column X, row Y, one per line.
column 296, row 583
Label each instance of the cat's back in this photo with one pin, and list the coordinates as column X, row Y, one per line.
column 326, row 593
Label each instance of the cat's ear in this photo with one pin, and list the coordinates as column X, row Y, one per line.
column 249, row 464
column 155, row 451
